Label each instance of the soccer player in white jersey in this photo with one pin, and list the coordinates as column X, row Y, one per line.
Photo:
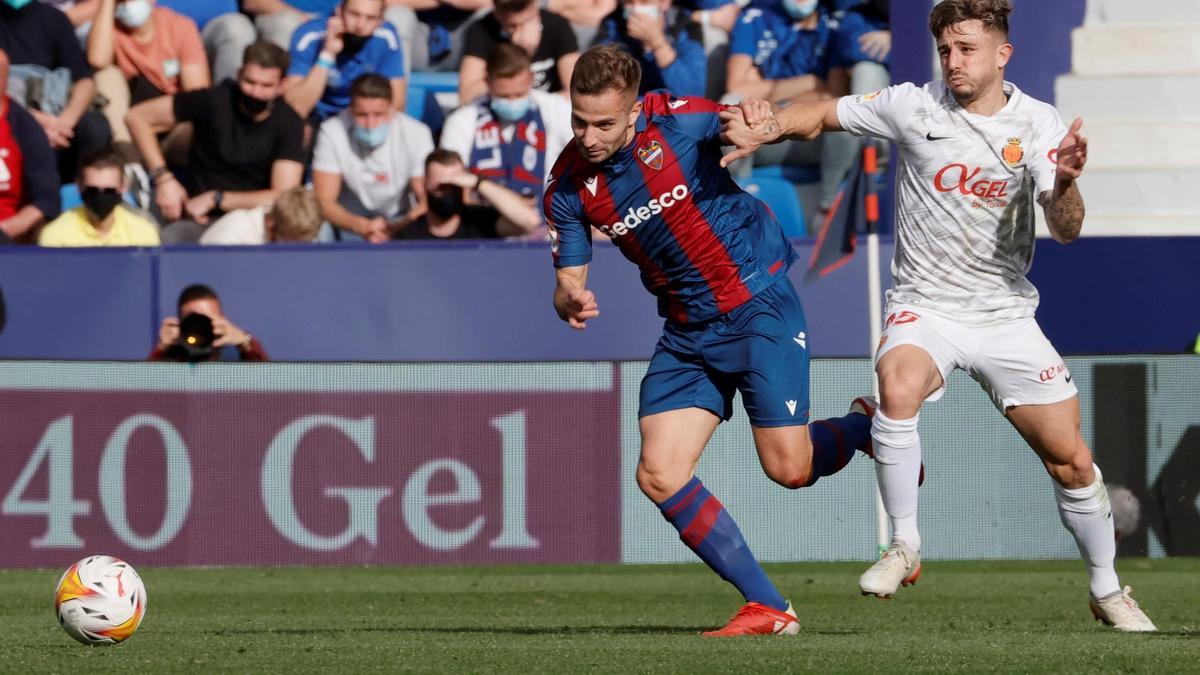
column 977, row 156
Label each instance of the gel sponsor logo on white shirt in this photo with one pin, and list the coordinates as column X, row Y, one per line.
column 639, row 215
column 990, row 192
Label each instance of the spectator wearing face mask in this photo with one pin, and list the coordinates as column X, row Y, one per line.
column 784, row 51
column 368, row 165
column 103, row 219
column 506, row 214
column 247, row 145
column 666, row 42
column 513, row 134
column 142, row 51
column 328, row 54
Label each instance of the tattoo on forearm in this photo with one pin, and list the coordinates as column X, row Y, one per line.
column 770, row 128
column 1065, row 213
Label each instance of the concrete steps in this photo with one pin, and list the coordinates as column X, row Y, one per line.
column 1147, row 143
column 1128, row 96
column 1141, row 191
column 1142, row 11
column 1136, row 49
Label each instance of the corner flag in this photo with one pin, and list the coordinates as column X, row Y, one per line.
column 855, row 209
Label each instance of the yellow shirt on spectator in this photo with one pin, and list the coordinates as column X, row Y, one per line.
column 72, row 228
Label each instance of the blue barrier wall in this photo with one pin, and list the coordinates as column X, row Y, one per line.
column 489, row 302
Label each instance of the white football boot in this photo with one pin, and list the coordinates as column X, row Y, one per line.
column 899, row 566
column 1122, row 612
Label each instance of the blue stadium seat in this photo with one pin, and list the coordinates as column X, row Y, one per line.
column 435, row 82
column 69, row 195
column 414, row 103
column 793, row 174
column 781, row 196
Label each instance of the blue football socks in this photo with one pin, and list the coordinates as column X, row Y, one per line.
column 708, row 529
column 834, row 442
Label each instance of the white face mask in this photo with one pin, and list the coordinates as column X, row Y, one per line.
column 800, row 9
column 134, row 13
column 651, row 11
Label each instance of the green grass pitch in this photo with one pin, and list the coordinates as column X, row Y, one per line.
column 961, row 616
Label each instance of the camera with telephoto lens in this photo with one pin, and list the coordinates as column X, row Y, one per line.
column 196, row 337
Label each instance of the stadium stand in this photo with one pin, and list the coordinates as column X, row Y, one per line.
column 1138, row 95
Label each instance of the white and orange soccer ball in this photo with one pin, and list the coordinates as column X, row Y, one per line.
column 100, row 600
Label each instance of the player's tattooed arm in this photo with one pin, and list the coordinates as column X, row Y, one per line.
column 1064, row 212
column 1064, row 206
column 754, row 123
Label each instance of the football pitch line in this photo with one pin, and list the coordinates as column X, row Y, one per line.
column 1025, row 616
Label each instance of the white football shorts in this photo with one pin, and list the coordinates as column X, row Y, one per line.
column 1012, row 360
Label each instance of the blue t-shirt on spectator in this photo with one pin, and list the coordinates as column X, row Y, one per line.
column 697, row 5
column 382, row 54
column 769, row 36
column 848, row 28
column 318, row 7
column 685, row 76
column 201, row 11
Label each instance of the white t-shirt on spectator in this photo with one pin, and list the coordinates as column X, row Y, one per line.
column 458, row 134
column 379, row 177
column 244, row 227
column 967, row 192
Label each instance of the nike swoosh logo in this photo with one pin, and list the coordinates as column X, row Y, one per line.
column 930, row 137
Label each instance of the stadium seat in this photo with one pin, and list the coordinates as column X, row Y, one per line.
column 435, row 82
column 781, row 197
column 792, row 174
column 69, row 196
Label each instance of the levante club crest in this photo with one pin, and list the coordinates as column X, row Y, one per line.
column 652, row 155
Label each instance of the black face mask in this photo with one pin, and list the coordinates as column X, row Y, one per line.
column 100, row 201
column 351, row 43
column 446, row 205
column 251, row 106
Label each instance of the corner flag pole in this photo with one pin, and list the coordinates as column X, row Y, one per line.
column 874, row 306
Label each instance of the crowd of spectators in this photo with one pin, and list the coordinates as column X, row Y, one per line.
column 226, row 122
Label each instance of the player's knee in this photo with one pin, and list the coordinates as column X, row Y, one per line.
column 900, row 398
column 791, row 475
column 659, row 484
column 893, row 437
column 1076, row 473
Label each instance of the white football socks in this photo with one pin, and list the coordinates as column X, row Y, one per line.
column 1088, row 517
column 898, row 468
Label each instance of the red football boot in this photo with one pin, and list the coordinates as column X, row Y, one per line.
column 758, row 619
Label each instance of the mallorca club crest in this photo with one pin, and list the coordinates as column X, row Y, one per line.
column 651, row 155
column 1013, row 152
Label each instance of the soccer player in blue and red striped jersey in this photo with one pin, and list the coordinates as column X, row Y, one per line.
column 648, row 174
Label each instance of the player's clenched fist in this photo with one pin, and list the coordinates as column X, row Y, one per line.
column 579, row 307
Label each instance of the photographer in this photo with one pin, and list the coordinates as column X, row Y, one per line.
column 203, row 333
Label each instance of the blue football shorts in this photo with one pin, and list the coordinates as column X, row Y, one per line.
column 759, row 349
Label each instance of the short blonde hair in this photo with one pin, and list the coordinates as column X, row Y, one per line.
column 296, row 215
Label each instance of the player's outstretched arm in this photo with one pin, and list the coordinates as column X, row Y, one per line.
column 754, row 123
column 1064, row 205
column 574, row 303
